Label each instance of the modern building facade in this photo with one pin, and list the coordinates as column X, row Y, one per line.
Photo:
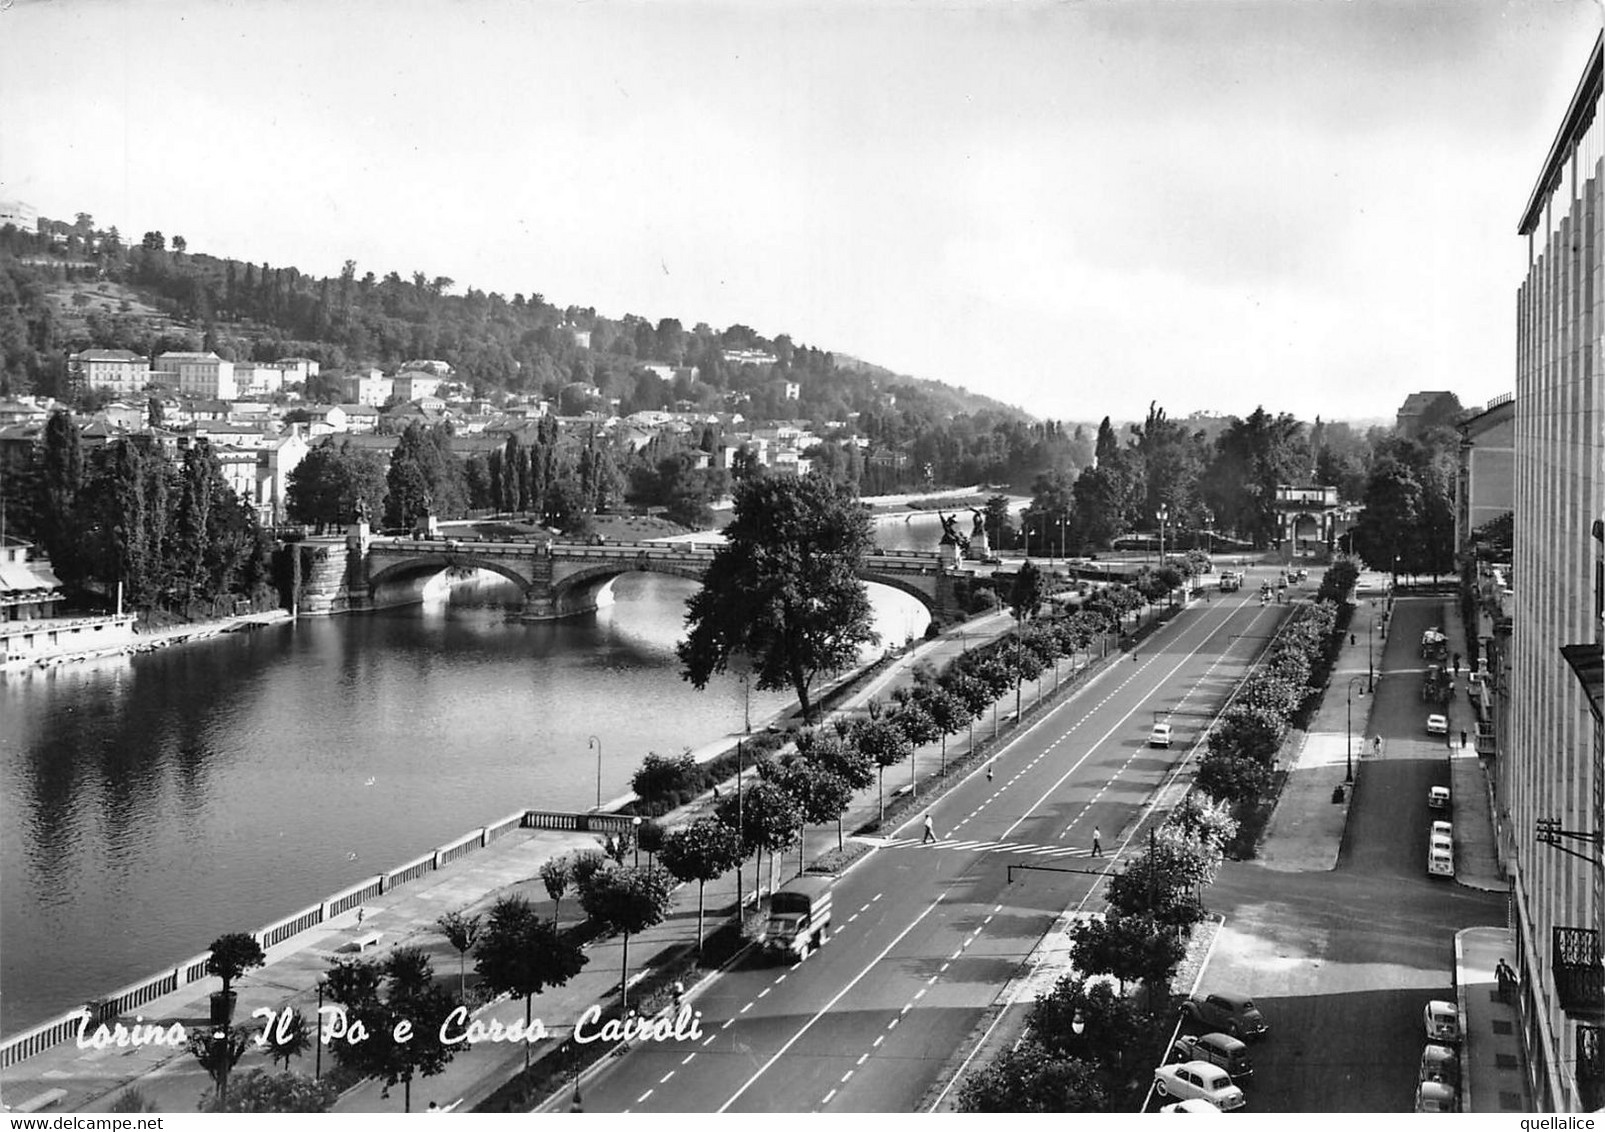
column 1552, row 778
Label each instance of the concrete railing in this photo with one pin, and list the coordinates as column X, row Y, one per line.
column 127, row 999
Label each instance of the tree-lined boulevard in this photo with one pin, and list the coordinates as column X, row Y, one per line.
column 926, row 936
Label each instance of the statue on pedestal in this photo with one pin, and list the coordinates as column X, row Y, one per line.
column 979, row 548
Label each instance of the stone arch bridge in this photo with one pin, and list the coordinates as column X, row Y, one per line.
column 560, row 579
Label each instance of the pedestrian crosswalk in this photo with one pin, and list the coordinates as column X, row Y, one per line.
column 1015, row 848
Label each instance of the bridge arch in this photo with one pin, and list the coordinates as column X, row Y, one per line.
column 445, row 560
column 576, row 592
column 902, row 585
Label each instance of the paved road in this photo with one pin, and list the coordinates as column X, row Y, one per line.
column 1342, row 962
column 926, row 935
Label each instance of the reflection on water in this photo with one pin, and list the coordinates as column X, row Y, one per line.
column 149, row 804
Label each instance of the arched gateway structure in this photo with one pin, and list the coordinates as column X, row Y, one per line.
column 561, row 579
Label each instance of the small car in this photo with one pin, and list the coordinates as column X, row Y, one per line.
column 1442, row 1022
column 1160, row 735
column 1198, row 1079
column 1437, row 725
column 1231, row 1014
column 1438, row 798
column 1217, row 1049
column 1191, row 1104
column 1440, row 1063
column 1440, row 861
column 1435, row 1096
column 1443, row 829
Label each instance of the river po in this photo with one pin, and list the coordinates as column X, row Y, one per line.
column 151, row 803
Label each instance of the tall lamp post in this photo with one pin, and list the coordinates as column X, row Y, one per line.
column 1370, row 668
column 635, row 835
column 1061, row 536
column 317, row 1031
column 746, row 703
column 597, row 743
column 1348, row 731
column 1164, row 513
column 220, row 1043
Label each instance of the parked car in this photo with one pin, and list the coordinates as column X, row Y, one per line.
column 1231, row 1014
column 1160, row 735
column 1442, row 1022
column 1217, row 1049
column 1440, row 861
column 1437, row 725
column 1191, row 1104
column 1440, row 1063
column 1438, row 798
column 1443, row 829
column 1198, row 1079
column 1435, row 1096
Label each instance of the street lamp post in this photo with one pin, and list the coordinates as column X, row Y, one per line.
column 635, row 832
column 1348, row 732
column 317, row 1031
column 746, row 703
column 1164, row 513
column 1061, row 536
column 1370, row 668
column 220, row 1044
column 597, row 743
column 1047, row 539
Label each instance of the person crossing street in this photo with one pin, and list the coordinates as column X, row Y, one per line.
column 930, row 831
column 1097, row 842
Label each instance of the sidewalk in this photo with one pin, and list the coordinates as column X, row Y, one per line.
column 172, row 1080
column 1491, row 1077
column 1306, row 829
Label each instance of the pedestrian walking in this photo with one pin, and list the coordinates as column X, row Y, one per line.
column 1351, row 638
column 1097, row 842
column 1506, row 975
column 1376, row 745
column 1457, row 664
column 360, row 912
column 1462, row 738
column 989, row 768
column 930, row 831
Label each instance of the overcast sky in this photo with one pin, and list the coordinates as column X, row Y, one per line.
column 1074, row 207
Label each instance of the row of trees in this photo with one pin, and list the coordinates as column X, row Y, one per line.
column 1240, row 762
column 1091, row 1040
column 175, row 536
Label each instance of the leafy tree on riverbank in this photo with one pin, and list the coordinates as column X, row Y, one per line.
column 522, row 954
column 784, row 588
column 701, row 851
column 628, row 900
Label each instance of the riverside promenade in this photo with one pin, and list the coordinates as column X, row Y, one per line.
column 90, row 1080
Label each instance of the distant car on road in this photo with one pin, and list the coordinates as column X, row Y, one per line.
column 1440, row 860
column 1443, row 829
column 1438, row 798
column 1198, row 1079
column 1231, row 1014
column 1160, row 735
column 1441, row 1021
column 1437, row 725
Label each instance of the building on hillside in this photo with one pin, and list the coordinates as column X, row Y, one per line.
column 324, row 419
column 409, row 385
column 1553, row 775
column 749, row 357
column 25, row 409
column 581, row 338
column 258, row 379
column 368, row 387
column 235, row 434
column 274, row 463
column 1485, row 482
column 124, row 415
column 1422, row 410
column 360, row 418
column 298, row 369
column 429, row 365
column 25, row 216
column 792, row 391
column 200, row 375
column 122, row 371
